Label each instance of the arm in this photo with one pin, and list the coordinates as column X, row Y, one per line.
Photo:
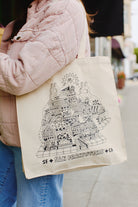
column 35, row 65
column 42, row 57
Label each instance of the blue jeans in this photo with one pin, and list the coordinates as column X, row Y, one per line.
column 46, row 191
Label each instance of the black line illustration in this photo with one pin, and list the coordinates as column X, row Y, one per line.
column 72, row 120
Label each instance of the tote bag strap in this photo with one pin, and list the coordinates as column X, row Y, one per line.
column 82, row 48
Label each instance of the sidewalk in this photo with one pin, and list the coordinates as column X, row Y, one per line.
column 114, row 186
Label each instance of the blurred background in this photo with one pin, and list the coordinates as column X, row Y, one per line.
column 116, row 35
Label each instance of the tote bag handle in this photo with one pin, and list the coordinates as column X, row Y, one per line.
column 81, row 53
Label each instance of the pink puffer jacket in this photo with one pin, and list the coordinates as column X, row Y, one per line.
column 48, row 41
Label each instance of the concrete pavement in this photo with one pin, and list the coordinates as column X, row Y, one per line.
column 113, row 186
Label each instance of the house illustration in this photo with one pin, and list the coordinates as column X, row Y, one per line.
column 68, row 120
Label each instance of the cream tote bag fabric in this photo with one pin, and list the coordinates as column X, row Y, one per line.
column 72, row 121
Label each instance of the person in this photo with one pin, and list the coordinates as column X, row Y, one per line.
column 43, row 39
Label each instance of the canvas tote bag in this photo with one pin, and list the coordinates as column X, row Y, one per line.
column 73, row 120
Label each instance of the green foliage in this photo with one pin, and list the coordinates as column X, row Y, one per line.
column 136, row 53
column 121, row 75
column 135, row 71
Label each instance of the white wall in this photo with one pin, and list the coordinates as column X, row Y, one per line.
column 134, row 21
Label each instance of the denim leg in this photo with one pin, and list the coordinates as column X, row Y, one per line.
column 46, row 191
column 7, row 177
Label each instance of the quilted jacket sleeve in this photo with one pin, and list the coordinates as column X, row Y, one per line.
column 38, row 60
